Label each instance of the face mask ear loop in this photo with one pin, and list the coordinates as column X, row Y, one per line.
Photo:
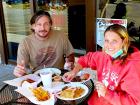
column 117, row 54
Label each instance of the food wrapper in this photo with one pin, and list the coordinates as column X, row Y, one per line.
column 18, row 82
column 27, row 92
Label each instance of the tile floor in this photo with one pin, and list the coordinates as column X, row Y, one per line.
column 6, row 73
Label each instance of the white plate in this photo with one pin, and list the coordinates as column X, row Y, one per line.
column 73, row 85
column 53, row 70
column 28, row 94
column 80, row 73
column 17, row 81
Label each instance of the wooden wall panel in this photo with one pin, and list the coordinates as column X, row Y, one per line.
column 77, row 2
column 90, row 25
column 3, row 38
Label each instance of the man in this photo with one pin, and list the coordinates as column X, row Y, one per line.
column 44, row 48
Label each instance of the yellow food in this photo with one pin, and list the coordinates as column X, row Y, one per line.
column 57, row 78
column 72, row 92
column 41, row 94
column 78, row 92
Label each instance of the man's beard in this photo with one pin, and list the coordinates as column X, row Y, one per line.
column 43, row 36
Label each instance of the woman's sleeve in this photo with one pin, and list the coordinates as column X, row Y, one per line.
column 129, row 88
column 88, row 60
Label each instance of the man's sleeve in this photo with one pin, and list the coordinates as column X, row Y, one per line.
column 22, row 53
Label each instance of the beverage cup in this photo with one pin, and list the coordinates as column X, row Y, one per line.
column 46, row 78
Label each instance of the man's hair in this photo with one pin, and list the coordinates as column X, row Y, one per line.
column 39, row 14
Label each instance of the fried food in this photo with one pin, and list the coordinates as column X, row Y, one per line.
column 41, row 94
column 67, row 93
column 78, row 92
column 57, row 78
column 72, row 92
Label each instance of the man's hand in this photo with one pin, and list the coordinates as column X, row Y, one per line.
column 68, row 65
column 20, row 70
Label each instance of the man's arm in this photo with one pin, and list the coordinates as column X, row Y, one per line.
column 70, row 58
column 69, row 62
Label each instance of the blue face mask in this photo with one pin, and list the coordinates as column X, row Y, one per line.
column 117, row 54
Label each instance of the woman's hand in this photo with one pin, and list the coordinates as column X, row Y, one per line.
column 101, row 89
column 69, row 76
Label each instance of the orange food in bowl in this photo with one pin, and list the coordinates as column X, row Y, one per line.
column 85, row 76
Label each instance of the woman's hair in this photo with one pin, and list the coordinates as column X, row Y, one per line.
column 122, row 32
column 39, row 14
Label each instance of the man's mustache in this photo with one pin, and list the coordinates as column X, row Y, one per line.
column 43, row 31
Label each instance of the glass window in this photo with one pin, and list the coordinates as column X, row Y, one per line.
column 69, row 19
column 122, row 9
column 59, row 12
column 17, row 14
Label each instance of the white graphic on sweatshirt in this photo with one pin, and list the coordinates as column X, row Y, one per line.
column 114, row 77
column 105, row 77
column 110, row 77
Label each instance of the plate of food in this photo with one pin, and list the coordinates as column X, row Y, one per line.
column 38, row 95
column 81, row 77
column 18, row 82
column 72, row 91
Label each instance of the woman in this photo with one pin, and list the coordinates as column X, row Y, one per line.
column 118, row 70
